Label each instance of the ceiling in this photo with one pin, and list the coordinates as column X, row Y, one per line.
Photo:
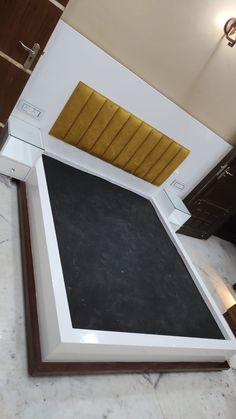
column 177, row 46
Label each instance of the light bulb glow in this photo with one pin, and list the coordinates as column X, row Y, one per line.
column 222, row 18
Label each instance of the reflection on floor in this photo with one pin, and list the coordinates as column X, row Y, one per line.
column 215, row 260
column 159, row 396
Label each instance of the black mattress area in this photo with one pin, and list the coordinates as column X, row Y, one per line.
column 121, row 270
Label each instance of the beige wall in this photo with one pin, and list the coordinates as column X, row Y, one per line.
column 177, row 46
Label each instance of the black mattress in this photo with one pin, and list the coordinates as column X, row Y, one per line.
column 121, row 270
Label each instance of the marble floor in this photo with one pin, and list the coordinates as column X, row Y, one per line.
column 158, row 396
column 215, row 260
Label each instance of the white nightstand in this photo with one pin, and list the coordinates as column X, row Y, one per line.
column 21, row 146
column 172, row 208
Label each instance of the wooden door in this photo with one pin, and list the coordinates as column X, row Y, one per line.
column 213, row 201
column 31, row 22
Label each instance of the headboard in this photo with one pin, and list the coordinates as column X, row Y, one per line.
column 95, row 124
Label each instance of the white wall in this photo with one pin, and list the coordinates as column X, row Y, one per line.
column 69, row 58
column 176, row 46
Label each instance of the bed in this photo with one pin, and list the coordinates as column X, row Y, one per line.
column 108, row 286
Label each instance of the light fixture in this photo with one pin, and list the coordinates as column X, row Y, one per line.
column 230, row 31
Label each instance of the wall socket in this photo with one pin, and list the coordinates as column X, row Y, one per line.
column 30, row 110
column 178, row 185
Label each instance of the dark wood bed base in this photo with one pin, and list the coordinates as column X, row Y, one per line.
column 37, row 367
column 230, row 317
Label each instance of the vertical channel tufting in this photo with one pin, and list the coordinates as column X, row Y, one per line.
column 132, row 146
column 172, row 165
column 162, row 161
column 84, row 118
column 71, row 110
column 109, row 134
column 100, row 127
column 142, row 151
column 122, row 138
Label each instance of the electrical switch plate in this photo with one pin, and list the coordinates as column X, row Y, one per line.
column 178, row 185
column 30, row 110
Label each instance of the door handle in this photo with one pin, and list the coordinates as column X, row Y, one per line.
column 224, row 171
column 228, row 173
column 32, row 52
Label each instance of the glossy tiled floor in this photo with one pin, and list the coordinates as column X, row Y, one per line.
column 215, row 260
column 158, row 396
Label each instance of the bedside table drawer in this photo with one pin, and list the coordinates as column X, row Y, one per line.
column 11, row 168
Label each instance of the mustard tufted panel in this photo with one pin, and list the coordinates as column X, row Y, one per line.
column 102, row 128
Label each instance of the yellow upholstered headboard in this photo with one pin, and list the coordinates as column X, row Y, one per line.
column 99, row 126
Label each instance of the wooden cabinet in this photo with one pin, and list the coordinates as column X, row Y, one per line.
column 213, row 201
column 228, row 230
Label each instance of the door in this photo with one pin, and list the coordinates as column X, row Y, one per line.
column 24, row 25
column 213, row 201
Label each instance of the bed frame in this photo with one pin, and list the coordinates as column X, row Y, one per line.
column 218, row 352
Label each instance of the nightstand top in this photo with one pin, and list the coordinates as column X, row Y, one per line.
column 25, row 132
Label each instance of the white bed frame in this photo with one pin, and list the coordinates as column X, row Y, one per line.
column 59, row 341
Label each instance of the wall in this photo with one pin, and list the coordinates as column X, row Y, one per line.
column 69, row 58
column 177, row 46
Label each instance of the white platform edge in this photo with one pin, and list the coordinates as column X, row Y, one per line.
column 202, row 288
column 60, row 342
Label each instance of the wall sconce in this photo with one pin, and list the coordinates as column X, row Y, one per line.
column 230, row 31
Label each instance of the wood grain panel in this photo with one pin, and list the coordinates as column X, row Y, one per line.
column 28, row 21
column 212, row 203
column 12, row 82
column 97, row 125
column 230, row 317
column 63, row 2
